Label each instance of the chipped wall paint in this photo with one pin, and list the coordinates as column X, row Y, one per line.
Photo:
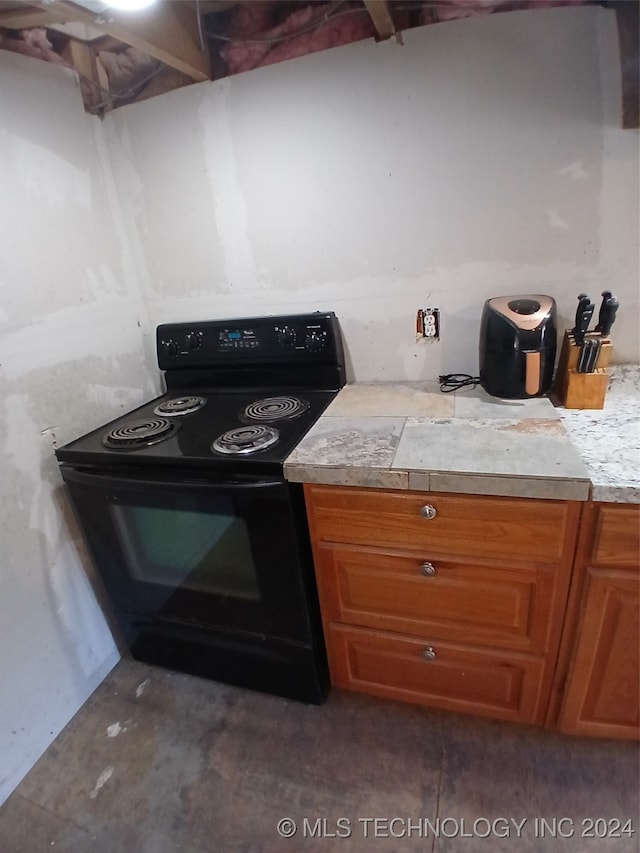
column 482, row 157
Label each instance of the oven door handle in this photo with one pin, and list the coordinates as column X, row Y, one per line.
column 119, row 480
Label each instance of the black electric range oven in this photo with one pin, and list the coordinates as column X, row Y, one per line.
column 201, row 543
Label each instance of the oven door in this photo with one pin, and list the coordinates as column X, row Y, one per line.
column 210, row 554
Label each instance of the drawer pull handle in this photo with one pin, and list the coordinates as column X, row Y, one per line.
column 428, row 511
column 429, row 653
column 428, row 569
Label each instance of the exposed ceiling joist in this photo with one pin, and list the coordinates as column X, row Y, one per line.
column 171, row 32
column 84, row 62
column 168, row 32
column 380, row 13
column 27, row 15
column 628, row 17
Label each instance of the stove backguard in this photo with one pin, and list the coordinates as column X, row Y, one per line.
column 288, row 351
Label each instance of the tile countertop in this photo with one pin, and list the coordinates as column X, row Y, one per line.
column 409, row 435
column 608, row 439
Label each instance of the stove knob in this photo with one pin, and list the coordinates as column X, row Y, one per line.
column 316, row 340
column 286, row 336
column 171, row 348
column 194, row 340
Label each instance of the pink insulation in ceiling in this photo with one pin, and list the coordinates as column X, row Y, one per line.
column 306, row 30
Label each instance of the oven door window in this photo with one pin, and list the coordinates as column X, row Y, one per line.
column 229, row 555
column 202, row 552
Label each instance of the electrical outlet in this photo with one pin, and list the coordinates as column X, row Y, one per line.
column 428, row 323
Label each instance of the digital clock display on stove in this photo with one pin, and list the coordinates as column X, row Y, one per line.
column 236, row 339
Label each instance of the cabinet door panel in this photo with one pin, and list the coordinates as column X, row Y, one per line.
column 506, row 607
column 540, row 531
column 616, row 539
column 603, row 691
column 458, row 678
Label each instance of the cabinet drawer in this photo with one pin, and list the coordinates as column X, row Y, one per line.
column 542, row 531
column 458, row 678
column 512, row 607
column 616, row 536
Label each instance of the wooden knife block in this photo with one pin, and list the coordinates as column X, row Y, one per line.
column 581, row 390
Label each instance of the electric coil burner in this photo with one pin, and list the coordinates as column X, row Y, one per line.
column 201, row 542
column 274, row 409
column 140, row 433
column 178, row 406
column 246, row 439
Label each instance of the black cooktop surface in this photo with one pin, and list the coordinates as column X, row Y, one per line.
column 184, row 429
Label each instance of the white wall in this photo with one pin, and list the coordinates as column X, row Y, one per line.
column 484, row 157
column 70, row 359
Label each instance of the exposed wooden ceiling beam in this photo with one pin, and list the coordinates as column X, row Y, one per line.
column 168, row 32
column 26, row 16
column 382, row 17
column 628, row 17
column 207, row 6
column 94, row 91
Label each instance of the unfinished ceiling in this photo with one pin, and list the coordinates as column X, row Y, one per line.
column 123, row 57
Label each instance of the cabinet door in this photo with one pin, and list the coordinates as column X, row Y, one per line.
column 616, row 537
column 603, row 690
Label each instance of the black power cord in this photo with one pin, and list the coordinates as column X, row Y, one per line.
column 455, row 381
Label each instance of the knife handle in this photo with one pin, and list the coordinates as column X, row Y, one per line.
column 582, row 357
column 594, row 353
column 607, row 296
column 582, row 323
column 609, row 315
column 583, row 304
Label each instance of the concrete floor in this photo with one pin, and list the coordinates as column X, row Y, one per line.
column 157, row 762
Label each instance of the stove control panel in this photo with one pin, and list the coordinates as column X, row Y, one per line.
column 315, row 340
column 237, row 340
column 287, row 336
column 194, row 340
column 286, row 339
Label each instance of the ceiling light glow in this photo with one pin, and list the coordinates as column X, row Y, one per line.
column 130, row 5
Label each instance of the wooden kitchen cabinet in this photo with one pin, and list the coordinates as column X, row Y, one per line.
column 601, row 647
column 457, row 677
column 451, row 601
